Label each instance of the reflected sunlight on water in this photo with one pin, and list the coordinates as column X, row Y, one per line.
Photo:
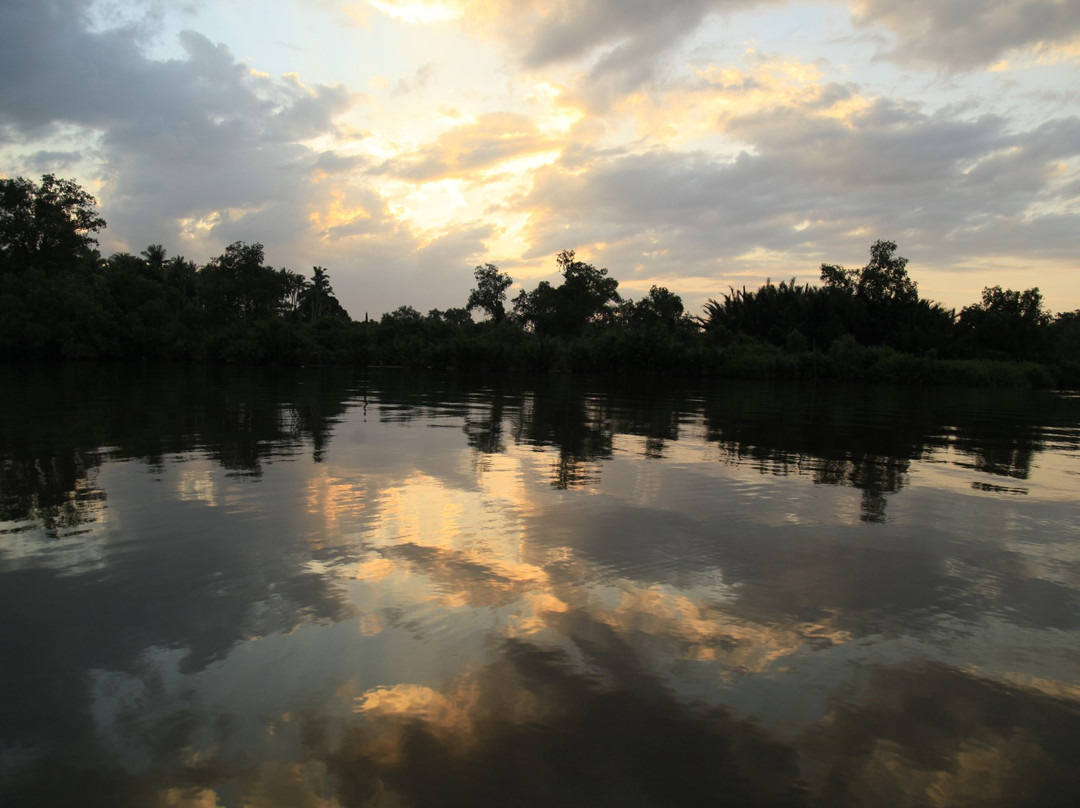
column 395, row 589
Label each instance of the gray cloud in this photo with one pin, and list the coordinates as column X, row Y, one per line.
column 572, row 31
column 199, row 152
column 194, row 139
column 966, row 34
column 201, row 145
column 952, row 190
column 333, row 163
column 52, row 161
column 625, row 38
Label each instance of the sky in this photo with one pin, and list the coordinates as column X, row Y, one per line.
column 692, row 144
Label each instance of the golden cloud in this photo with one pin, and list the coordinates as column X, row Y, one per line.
column 715, row 94
column 704, row 631
column 409, row 701
column 491, row 140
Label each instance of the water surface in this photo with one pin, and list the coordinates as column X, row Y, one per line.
column 226, row 587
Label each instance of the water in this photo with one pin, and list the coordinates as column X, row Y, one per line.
column 227, row 587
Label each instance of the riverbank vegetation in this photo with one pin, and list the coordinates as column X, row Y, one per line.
column 60, row 299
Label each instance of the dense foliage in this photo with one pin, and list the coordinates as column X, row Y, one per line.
column 59, row 299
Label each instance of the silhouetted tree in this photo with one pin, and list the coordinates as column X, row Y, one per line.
column 490, row 292
column 879, row 303
column 183, row 276
column 319, row 290
column 237, row 285
column 293, row 284
column 537, row 309
column 586, row 295
column 403, row 314
column 660, row 307
column 47, row 226
column 453, row 316
column 317, row 298
column 154, row 255
column 883, row 279
column 1006, row 322
column 1065, row 331
column 773, row 312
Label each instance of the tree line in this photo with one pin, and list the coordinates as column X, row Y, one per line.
column 60, row 299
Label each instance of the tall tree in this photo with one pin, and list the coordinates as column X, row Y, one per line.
column 1006, row 322
column 586, row 295
column 660, row 307
column 319, row 291
column 490, row 291
column 237, row 285
column 587, row 292
column 317, row 298
column 883, row 279
column 48, row 226
column 154, row 255
column 294, row 284
column 879, row 302
column 183, row 276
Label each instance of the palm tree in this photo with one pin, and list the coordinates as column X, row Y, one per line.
column 293, row 285
column 183, row 275
column 155, row 259
column 319, row 291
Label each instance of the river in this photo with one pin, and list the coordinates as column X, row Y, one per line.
column 270, row 587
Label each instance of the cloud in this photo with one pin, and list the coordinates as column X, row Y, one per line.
column 492, row 139
column 968, row 34
column 200, row 151
column 953, row 188
column 418, row 11
column 561, row 32
column 616, row 128
column 53, row 161
column 548, row 31
column 619, row 44
column 194, row 149
column 420, row 78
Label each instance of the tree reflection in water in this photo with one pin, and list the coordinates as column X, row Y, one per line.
column 253, row 587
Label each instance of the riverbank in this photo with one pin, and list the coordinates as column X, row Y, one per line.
column 616, row 354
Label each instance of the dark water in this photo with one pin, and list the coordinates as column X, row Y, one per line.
column 254, row 588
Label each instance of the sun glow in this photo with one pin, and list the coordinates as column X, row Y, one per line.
column 518, row 166
column 337, row 213
column 417, row 12
column 510, row 241
column 430, row 205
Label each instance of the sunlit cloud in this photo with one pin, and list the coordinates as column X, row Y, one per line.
column 196, row 483
column 685, row 142
column 484, row 143
column 1054, row 688
column 694, row 111
column 339, row 212
column 334, row 500
column 703, row 631
column 188, row 798
column 413, row 701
